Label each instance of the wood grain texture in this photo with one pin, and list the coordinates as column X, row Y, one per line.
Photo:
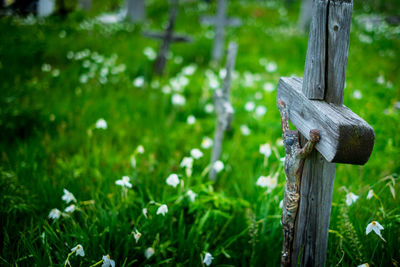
column 345, row 137
column 314, row 70
column 339, row 21
column 312, row 223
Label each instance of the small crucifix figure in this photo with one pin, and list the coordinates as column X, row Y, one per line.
column 294, row 162
column 167, row 38
column 223, row 108
column 220, row 21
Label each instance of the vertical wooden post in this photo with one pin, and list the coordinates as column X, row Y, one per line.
column 219, row 35
column 324, row 78
column 136, row 10
column 223, row 108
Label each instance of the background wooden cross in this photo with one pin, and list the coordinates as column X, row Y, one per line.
column 220, row 21
column 136, row 10
column 316, row 102
column 168, row 37
column 223, row 109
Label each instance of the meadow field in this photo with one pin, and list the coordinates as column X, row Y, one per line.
column 89, row 136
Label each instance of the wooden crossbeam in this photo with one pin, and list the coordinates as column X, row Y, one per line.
column 167, row 38
column 220, row 21
column 345, row 137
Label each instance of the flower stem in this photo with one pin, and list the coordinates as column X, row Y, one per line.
column 97, row 263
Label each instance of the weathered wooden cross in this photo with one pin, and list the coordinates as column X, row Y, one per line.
column 223, row 109
column 168, row 37
column 136, row 10
column 220, row 21
column 316, row 102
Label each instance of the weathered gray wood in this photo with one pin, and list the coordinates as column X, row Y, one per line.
column 339, row 21
column 223, row 109
column 136, row 10
column 312, row 223
column 167, row 38
column 305, row 15
column 220, row 21
column 314, row 70
column 85, row 4
column 45, row 7
column 345, row 137
column 174, row 38
column 324, row 80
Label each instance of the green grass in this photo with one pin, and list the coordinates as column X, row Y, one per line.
column 49, row 142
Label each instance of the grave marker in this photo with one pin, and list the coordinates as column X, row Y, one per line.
column 223, row 108
column 136, row 10
column 220, row 21
column 316, row 102
column 167, row 38
column 85, row 4
column 45, row 8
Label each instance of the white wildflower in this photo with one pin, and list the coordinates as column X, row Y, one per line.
column 265, row 149
column 140, row 149
column 172, row 180
column 192, row 195
column 101, row 124
column 208, row 259
column 269, row 87
column 213, row 82
column 136, row 235
column 269, row 182
column 148, row 253
column 55, row 73
column 107, row 261
column 370, row 194
column 187, row 162
column 376, row 227
column 144, row 211
column 166, row 89
column 196, row 153
column 178, row 100
column 189, row 70
column 150, row 53
column 124, row 182
column 139, row 81
column 363, row 265
column 209, row 108
column 357, row 94
column 261, row 110
column 245, row 129
column 54, row 214
column 249, row 106
column 222, row 73
column 191, row 120
column 380, row 79
column 78, row 249
column 68, row 196
column 163, row 209
column 83, row 78
column 351, row 198
column 70, row 208
column 271, row 67
column 207, row 142
column 46, row 67
column 218, row 166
